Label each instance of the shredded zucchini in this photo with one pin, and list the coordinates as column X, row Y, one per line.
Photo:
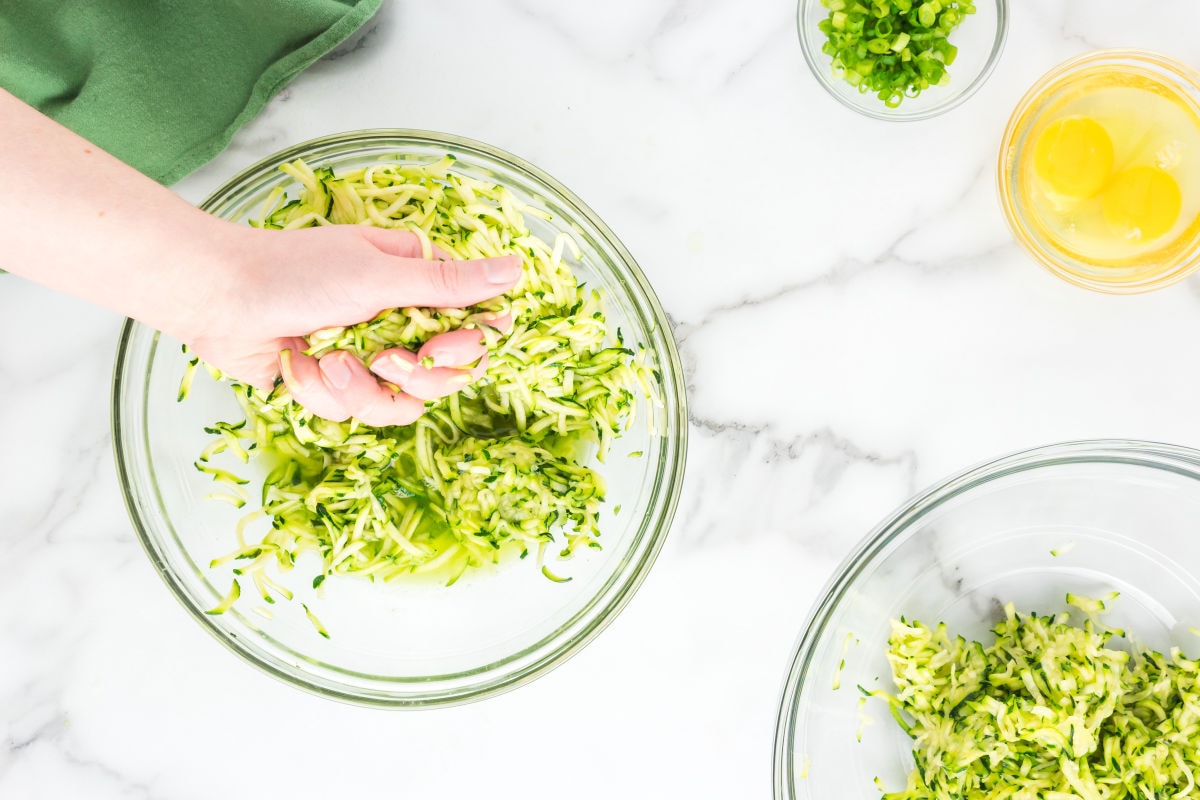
column 235, row 591
column 1047, row 711
column 502, row 466
column 316, row 623
column 837, row 674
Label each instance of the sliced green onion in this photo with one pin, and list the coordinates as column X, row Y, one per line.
column 892, row 48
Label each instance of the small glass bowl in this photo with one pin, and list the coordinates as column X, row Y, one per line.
column 1083, row 517
column 1176, row 259
column 408, row 642
column 979, row 38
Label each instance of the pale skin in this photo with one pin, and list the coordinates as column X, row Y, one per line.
column 239, row 297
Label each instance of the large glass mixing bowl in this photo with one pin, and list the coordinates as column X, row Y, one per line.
column 406, row 642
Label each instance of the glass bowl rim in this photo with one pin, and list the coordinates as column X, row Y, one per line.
column 1135, row 452
column 828, row 81
column 1177, row 69
column 553, row 649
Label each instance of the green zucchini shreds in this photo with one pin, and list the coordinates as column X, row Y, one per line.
column 316, row 622
column 1047, row 711
column 501, row 466
column 1062, row 549
column 237, row 501
column 185, row 383
column 864, row 719
column 837, row 674
column 554, row 577
column 235, row 591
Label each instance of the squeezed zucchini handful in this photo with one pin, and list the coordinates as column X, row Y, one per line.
column 500, row 466
column 1048, row 711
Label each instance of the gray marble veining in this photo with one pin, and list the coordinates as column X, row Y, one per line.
column 855, row 323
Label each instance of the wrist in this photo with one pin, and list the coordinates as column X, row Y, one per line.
column 202, row 278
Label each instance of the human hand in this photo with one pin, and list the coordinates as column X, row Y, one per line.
column 290, row 283
column 238, row 296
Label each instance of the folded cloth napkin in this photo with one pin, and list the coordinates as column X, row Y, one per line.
column 164, row 84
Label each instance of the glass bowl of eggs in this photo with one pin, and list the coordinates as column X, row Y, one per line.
column 1099, row 171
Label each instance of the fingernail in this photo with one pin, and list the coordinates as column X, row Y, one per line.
column 285, row 366
column 502, row 271
column 337, row 371
column 399, row 363
column 456, row 382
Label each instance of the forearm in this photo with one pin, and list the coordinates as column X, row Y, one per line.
column 81, row 222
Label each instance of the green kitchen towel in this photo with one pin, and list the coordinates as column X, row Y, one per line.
column 164, row 84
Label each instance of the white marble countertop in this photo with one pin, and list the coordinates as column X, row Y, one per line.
column 855, row 321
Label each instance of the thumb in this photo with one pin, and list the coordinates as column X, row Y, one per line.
column 406, row 281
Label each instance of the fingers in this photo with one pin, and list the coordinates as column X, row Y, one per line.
column 463, row 347
column 303, row 377
column 338, row 386
column 405, row 244
column 387, row 407
column 445, row 364
column 403, row 368
column 253, row 365
column 413, row 281
column 456, row 348
column 450, row 284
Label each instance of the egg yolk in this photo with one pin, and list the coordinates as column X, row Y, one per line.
column 1142, row 203
column 1074, row 156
